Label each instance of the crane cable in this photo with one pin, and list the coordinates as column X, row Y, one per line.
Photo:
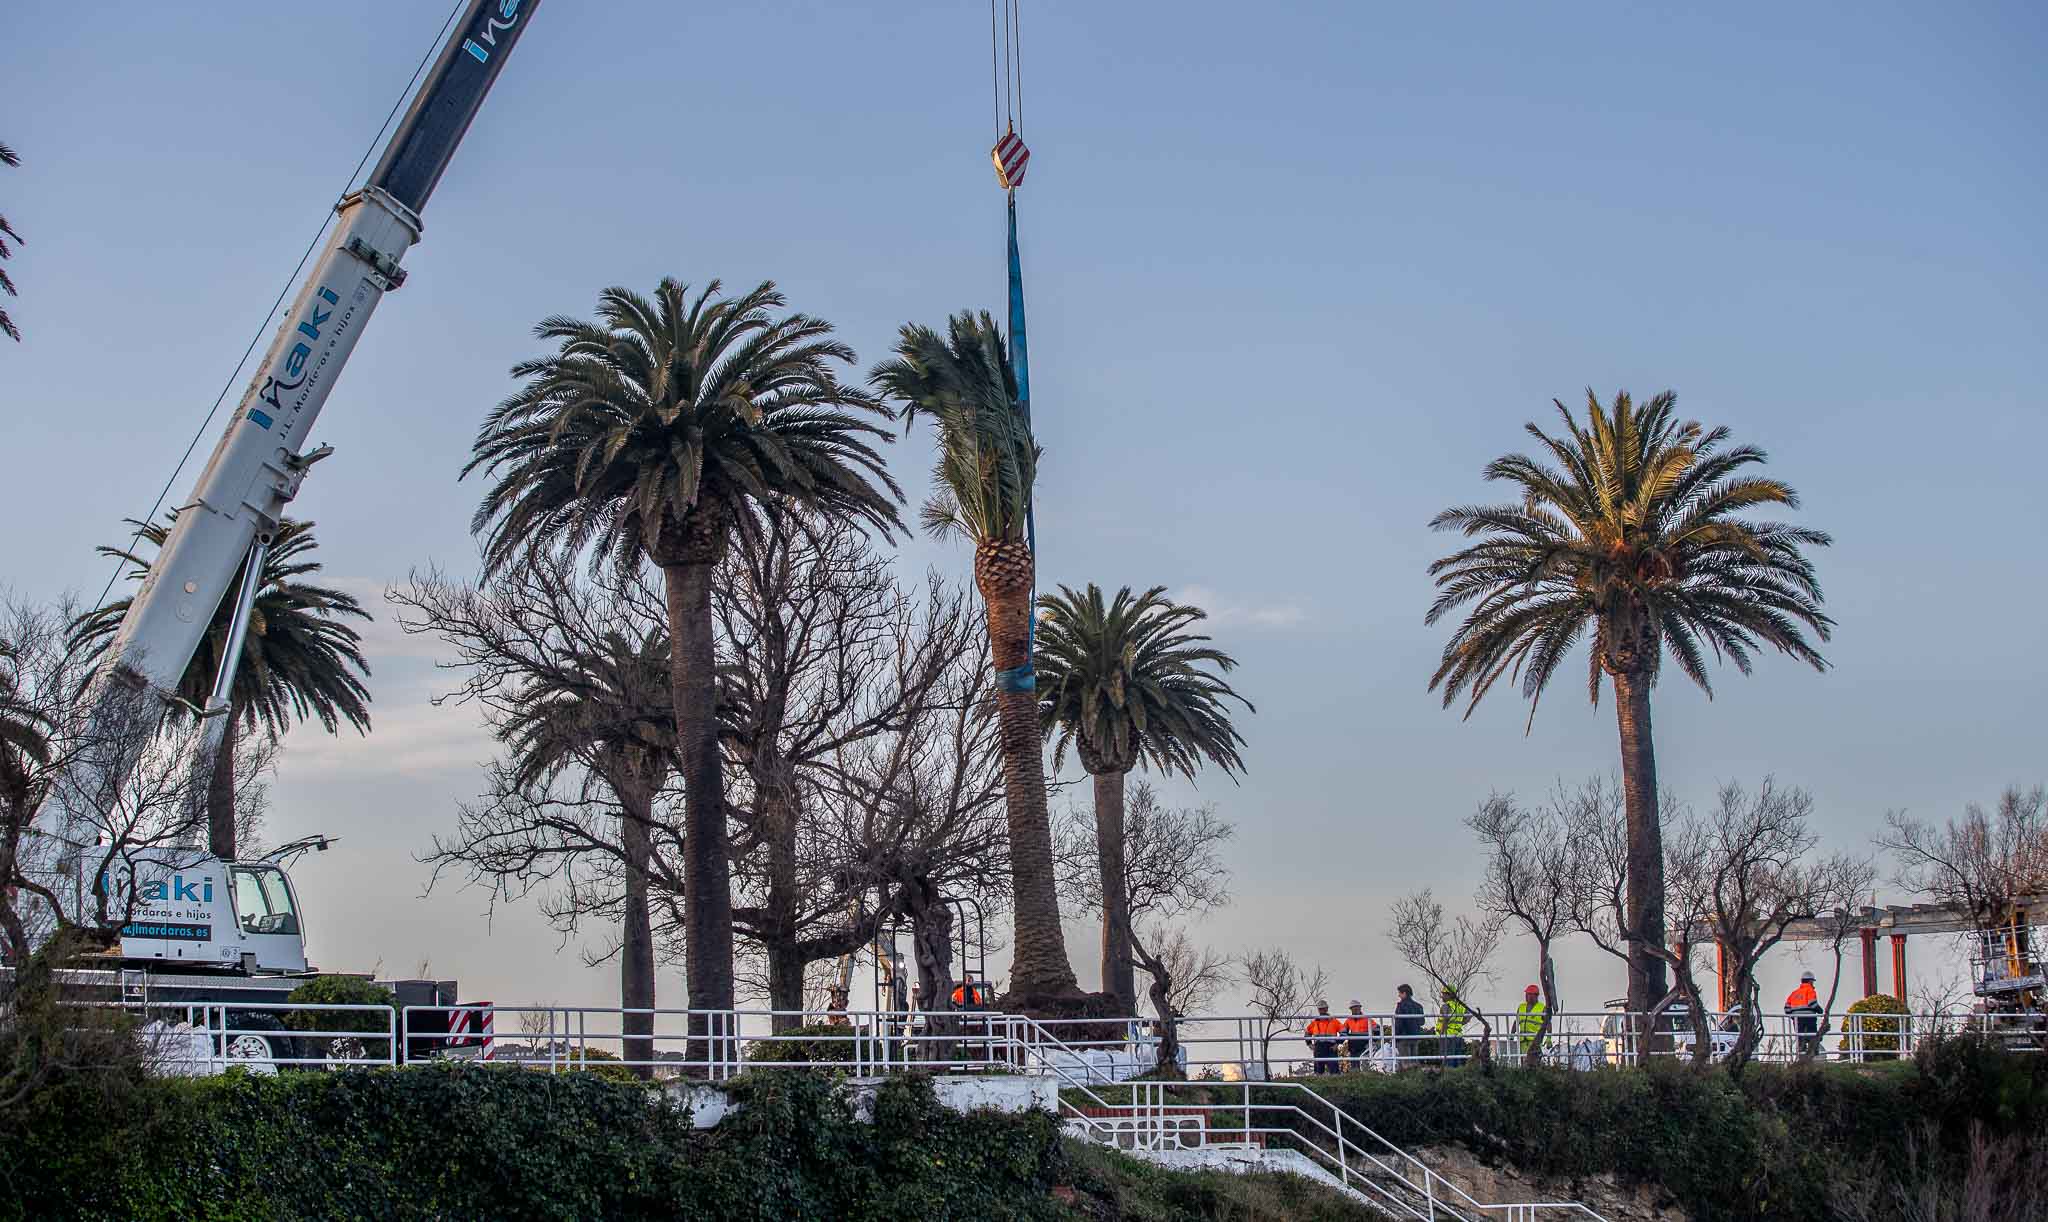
column 326, row 219
column 1011, row 157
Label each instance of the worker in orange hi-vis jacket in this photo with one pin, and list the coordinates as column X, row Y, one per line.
column 1323, row 1032
column 1358, row 1032
column 1804, row 1006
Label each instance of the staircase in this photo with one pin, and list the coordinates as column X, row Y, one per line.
column 1177, row 1122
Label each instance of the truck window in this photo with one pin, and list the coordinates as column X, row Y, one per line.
column 263, row 901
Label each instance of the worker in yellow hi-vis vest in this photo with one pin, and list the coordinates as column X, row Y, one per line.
column 1529, row 1017
column 1450, row 1024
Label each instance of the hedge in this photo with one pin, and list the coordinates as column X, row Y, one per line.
column 1778, row 1142
column 1880, row 1040
column 452, row 1141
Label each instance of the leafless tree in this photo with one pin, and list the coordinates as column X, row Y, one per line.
column 1281, row 992
column 1748, row 869
column 1453, row 954
column 856, row 722
column 570, row 671
column 1597, row 833
column 1528, row 882
column 66, row 844
column 1173, row 872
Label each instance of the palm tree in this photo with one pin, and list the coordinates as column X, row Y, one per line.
column 609, row 709
column 7, row 158
column 301, row 660
column 650, row 432
column 1634, row 534
column 987, row 464
column 1125, row 682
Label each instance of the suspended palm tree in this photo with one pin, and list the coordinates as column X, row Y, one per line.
column 1633, row 535
column 987, row 464
column 610, row 710
column 301, row 660
column 649, row 432
column 7, row 327
column 1126, row 682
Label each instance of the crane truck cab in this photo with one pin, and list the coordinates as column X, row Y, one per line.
column 202, row 913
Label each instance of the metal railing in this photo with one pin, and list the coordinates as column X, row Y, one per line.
column 188, row 1038
column 1257, row 1048
column 1144, row 1117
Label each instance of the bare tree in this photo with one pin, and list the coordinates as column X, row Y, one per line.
column 1749, row 870
column 1453, row 954
column 1597, row 833
column 835, row 680
column 68, row 848
column 1528, row 882
column 1173, row 871
column 571, row 673
column 1281, row 992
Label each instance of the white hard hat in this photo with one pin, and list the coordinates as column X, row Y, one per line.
column 1357, row 1004
column 1806, row 976
column 1322, row 1004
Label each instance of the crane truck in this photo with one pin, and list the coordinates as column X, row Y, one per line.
column 199, row 929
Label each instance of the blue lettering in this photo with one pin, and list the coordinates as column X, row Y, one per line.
column 154, row 891
column 295, row 364
column 327, row 295
column 182, row 894
column 482, row 56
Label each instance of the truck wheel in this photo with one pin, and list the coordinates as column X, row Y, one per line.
column 347, row 1048
column 257, row 1038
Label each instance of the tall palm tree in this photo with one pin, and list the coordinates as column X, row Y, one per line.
column 987, row 464
column 650, row 432
column 609, row 709
column 7, row 327
column 1126, row 682
column 1634, row 534
column 301, row 659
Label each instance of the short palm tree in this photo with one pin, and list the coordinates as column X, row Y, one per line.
column 650, row 432
column 301, row 658
column 1633, row 534
column 612, row 711
column 1125, row 682
column 987, row 464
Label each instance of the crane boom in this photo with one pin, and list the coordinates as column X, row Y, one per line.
column 261, row 458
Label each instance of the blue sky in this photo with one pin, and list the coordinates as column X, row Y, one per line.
column 1295, row 274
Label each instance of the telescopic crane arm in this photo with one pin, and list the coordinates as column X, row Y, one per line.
column 225, row 526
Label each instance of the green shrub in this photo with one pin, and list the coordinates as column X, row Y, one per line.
column 817, row 1043
column 450, row 1140
column 341, row 991
column 1880, row 1038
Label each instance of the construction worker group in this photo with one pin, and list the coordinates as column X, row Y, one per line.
column 1340, row 1044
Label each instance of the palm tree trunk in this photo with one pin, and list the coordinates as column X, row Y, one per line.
column 1645, row 902
column 1119, row 978
column 707, row 877
column 636, row 940
column 1038, row 965
column 220, row 792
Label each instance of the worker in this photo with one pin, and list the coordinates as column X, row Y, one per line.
column 1358, row 1032
column 1529, row 1017
column 1803, row 1005
column 1407, row 1025
column 835, row 1006
column 1450, row 1024
column 969, row 995
column 1322, row 1033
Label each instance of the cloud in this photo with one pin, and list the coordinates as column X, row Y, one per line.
column 1226, row 612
